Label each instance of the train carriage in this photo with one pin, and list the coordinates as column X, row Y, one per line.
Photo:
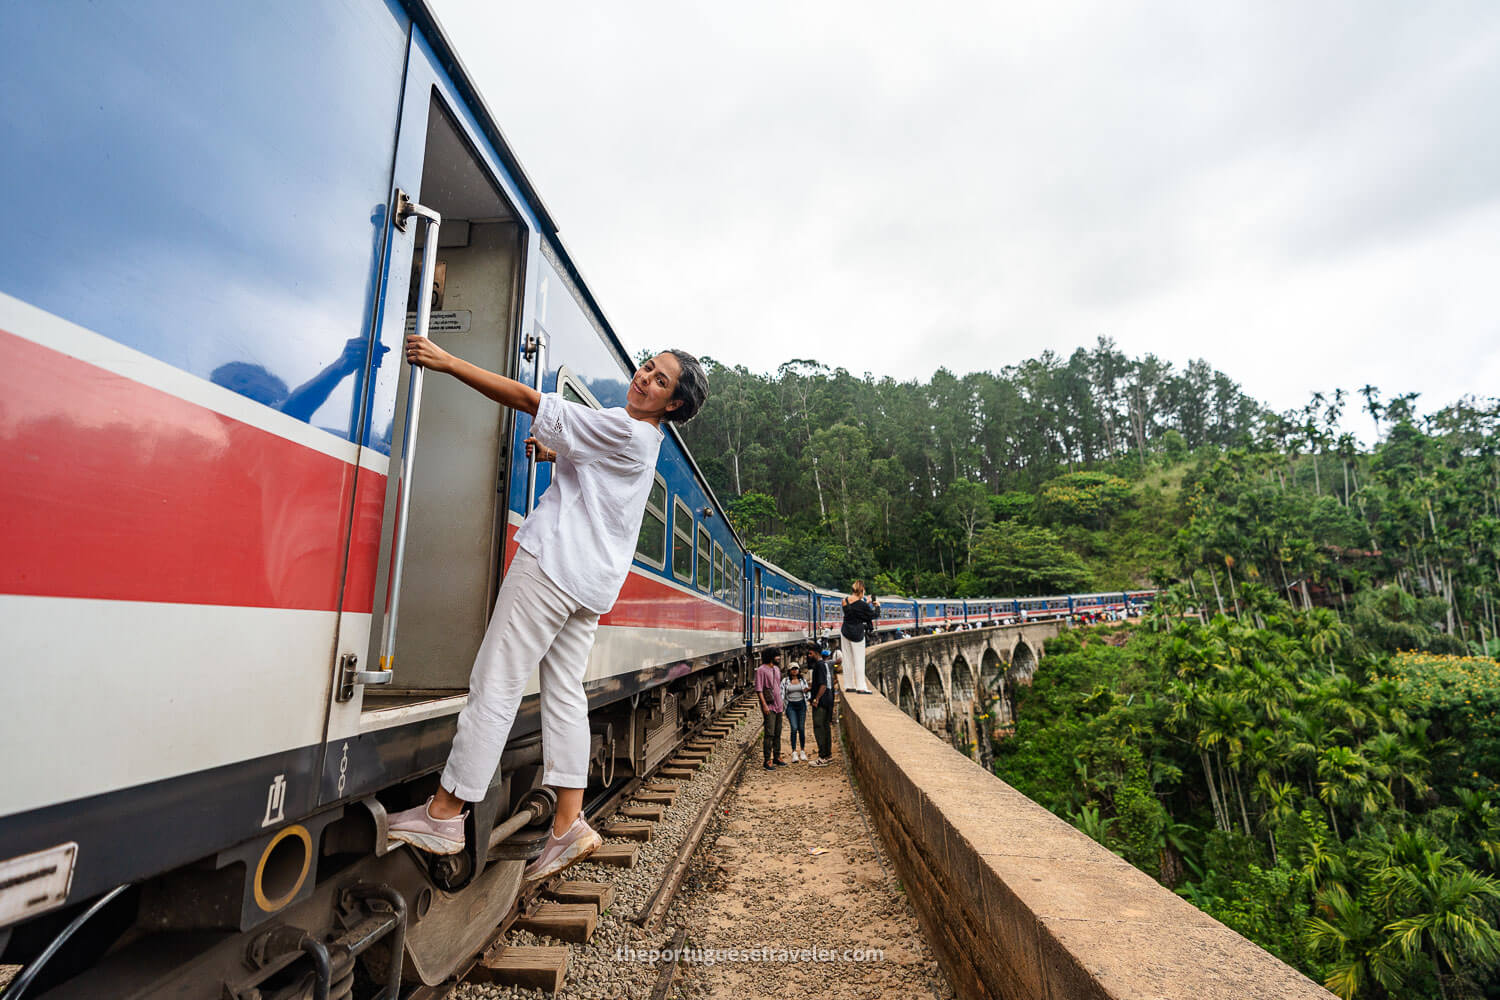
column 249, row 554
column 830, row 607
column 939, row 613
column 897, row 614
column 784, row 610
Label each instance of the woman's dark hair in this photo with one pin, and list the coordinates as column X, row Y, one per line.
column 768, row 656
column 692, row 387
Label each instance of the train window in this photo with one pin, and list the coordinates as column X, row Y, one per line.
column 718, row 584
column 651, row 546
column 682, row 541
column 705, row 558
column 571, row 388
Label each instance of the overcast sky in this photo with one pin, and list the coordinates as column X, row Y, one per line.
column 1305, row 194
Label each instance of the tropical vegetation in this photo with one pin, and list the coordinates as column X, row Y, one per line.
column 1302, row 738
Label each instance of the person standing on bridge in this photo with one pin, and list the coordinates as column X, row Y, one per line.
column 574, row 552
column 859, row 615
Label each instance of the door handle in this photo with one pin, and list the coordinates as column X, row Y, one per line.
column 405, row 210
column 350, row 675
column 535, row 346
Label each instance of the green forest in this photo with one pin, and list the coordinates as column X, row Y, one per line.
column 1301, row 738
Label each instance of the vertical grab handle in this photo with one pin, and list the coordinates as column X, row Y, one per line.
column 534, row 348
column 405, row 209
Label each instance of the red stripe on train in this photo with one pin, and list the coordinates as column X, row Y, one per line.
column 111, row 489
column 647, row 602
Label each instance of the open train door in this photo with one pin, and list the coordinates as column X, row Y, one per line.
column 417, row 609
column 458, row 235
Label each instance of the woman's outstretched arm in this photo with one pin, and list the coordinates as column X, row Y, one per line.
column 505, row 391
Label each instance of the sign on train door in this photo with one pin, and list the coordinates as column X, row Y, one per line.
column 458, row 235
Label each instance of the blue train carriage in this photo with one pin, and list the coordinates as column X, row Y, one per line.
column 1089, row 607
column 897, row 615
column 784, row 611
column 220, row 480
column 1138, row 601
column 830, row 610
column 939, row 614
column 1044, row 608
column 984, row 611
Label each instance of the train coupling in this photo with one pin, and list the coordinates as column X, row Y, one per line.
column 369, row 915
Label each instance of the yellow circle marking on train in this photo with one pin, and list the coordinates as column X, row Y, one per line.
column 271, row 905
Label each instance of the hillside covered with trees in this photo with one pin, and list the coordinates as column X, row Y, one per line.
column 1303, row 737
column 1101, row 472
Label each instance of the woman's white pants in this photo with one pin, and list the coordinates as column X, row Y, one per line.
column 535, row 625
column 854, row 663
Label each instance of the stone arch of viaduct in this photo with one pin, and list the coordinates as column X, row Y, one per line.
column 960, row 685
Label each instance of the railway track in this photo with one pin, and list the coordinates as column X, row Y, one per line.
column 619, row 812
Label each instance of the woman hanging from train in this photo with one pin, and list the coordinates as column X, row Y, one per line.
column 859, row 616
column 575, row 550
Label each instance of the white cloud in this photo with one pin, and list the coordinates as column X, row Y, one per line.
column 1306, row 195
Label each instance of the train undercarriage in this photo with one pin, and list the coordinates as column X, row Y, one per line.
column 324, row 907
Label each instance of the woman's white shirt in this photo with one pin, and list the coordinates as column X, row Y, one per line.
column 584, row 529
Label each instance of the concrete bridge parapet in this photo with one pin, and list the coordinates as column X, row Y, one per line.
column 1017, row 903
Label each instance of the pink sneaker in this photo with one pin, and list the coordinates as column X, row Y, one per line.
column 576, row 843
column 418, row 828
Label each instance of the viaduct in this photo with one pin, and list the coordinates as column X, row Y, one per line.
column 1015, row 901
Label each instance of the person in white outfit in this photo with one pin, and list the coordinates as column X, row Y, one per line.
column 575, row 550
column 858, row 613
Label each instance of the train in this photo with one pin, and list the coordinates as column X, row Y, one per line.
column 248, row 554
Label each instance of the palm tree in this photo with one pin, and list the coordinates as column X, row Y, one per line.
column 1398, row 762
column 1323, row 633
column 1223, row 722
column 1444, row 907
column 1311, row 735
column 1325, row 867
column 1343, row 701
column 1482, row 819
column 1344, row 782
column 1372, row 406
column 1280, row 800
column 1189, row 716
column 1347, row 935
